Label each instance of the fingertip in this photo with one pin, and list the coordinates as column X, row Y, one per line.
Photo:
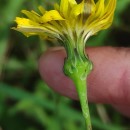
column 51, row 70
column 49, row 62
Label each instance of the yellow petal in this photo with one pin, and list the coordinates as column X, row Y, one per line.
column 51, row 15
column 42, row 10
column 57, row 7
column 77, row 9
column 32, row 15
column 22, row 21
column 64, row 5
column 35, row 30
column 110, row 6
column 100, row 8
column 72, row 2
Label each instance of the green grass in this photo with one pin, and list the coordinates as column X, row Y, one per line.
column 26, row 102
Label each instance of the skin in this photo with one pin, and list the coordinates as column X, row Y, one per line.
column 108, row 83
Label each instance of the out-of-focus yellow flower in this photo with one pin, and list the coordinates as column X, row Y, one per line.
column 68, row 20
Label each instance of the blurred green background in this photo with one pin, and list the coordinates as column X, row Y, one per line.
column 26, row 102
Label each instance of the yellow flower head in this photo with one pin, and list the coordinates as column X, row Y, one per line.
column 69, row 20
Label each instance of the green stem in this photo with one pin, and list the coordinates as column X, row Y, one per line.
column 77, row 66
column 78, row 70
column 81, row 88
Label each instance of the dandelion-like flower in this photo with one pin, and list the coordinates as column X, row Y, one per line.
column 71, row 23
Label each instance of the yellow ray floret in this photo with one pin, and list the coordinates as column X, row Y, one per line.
column 72, row 19
column 51, row 15
column 22, row 21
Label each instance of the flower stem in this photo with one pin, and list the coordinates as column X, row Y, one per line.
column 81, row 87
column 77, row 67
